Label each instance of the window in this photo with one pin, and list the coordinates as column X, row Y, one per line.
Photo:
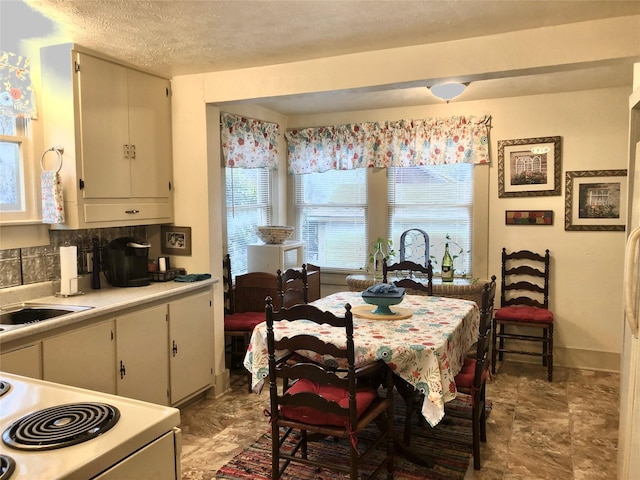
column 437, row 199
column 16, row 176
column 248, row 204
column 332, row 217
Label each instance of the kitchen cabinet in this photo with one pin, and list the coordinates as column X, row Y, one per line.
column 84, row 358
column 142, row 356
column 25, row 361
column 114, row 123
column 190, row 345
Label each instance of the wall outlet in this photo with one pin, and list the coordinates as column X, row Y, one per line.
column 89, row 262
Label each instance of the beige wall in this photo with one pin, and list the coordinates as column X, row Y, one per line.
column 587, row 279
column 586, row 266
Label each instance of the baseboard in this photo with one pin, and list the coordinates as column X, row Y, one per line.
column 570, row 358
column 222, row 385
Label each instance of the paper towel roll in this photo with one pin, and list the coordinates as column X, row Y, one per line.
column 68, row 270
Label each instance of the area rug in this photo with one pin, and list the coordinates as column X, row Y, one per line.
column 451, row 460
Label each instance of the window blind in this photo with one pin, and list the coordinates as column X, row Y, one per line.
column 248, row 202
column 331, row 210
column 439, row 200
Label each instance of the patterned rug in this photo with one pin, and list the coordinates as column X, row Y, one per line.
column 451, row 459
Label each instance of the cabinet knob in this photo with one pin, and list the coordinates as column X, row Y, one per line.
column 175, row 348
column 122, row 370
column 132, row 212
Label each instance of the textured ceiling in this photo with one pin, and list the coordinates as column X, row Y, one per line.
column 185, row 37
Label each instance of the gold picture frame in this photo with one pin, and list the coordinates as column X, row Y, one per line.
column 596, row 200
column 529, row 167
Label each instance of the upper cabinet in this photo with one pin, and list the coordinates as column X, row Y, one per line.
column 114, row 123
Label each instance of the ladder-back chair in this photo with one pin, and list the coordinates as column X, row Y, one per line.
column 325, row 400
column 524, row 302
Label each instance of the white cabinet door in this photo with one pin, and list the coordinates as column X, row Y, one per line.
column 191, row 345
column 126, row 131
column 150, row 134
column 142, row 356
column 83, row 358
column 26, row 361
column 105, row 128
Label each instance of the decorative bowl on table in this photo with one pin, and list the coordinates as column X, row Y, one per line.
column 383, row 296
column 274, row 234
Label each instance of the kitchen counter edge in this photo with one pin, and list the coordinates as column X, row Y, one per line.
column 103, row 302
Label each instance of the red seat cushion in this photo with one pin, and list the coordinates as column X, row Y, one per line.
column 244, row 321
column 464, row 379
column 364, row 398
column 524, row 313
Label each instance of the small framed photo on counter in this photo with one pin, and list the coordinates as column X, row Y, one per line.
column 175, row 240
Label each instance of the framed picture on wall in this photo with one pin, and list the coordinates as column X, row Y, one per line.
column 595, row 200
column 529, row 167
column 528, row 217
column 175, row 240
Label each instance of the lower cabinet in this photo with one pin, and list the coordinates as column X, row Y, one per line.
column 141, row 353
column 83, row 358
column 190, row 345
column 26, row 361
column 161, row 354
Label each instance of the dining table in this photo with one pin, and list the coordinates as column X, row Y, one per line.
column 425, row 345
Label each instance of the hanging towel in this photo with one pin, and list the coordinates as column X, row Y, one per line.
column 52, row 203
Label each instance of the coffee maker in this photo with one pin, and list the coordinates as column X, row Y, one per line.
column 127, row 262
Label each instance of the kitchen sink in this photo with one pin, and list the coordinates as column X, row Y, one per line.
column 27, row 313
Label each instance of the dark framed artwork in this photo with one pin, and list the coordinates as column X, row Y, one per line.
column 595, row 200
column 528, row 217
column 529, row 167
column 175, row 240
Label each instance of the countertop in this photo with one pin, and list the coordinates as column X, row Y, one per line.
column 103, row 302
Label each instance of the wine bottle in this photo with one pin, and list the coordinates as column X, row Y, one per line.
column 447, row 265
column 378, row 259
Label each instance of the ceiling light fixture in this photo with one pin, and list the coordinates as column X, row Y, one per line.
column 447, row 91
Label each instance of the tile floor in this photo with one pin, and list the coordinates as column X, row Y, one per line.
column 567, row 429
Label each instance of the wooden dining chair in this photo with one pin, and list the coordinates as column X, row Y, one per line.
column 524, row 302
column 325, row 400
column 410, row 275
column 472, row 378
column 293, row 286
column 243, row 310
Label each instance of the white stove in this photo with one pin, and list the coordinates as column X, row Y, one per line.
column 52, row 431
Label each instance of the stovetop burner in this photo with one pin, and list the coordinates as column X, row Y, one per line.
column 60, row 426
column 7, row 466
column 4, row 387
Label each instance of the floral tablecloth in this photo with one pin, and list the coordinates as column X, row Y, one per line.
column 427, row 349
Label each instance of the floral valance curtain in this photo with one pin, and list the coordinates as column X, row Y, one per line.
column 248, row 143
column 401, row 143
column 17, row 98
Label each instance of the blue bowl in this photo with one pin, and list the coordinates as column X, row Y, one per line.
column 383, row 302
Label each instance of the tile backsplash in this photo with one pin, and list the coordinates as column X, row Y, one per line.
column 24, row 266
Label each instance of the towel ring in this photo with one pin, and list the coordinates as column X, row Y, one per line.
column 59, row 151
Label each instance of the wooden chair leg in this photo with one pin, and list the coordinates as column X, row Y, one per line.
column 494, row 351
column 550, row 361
